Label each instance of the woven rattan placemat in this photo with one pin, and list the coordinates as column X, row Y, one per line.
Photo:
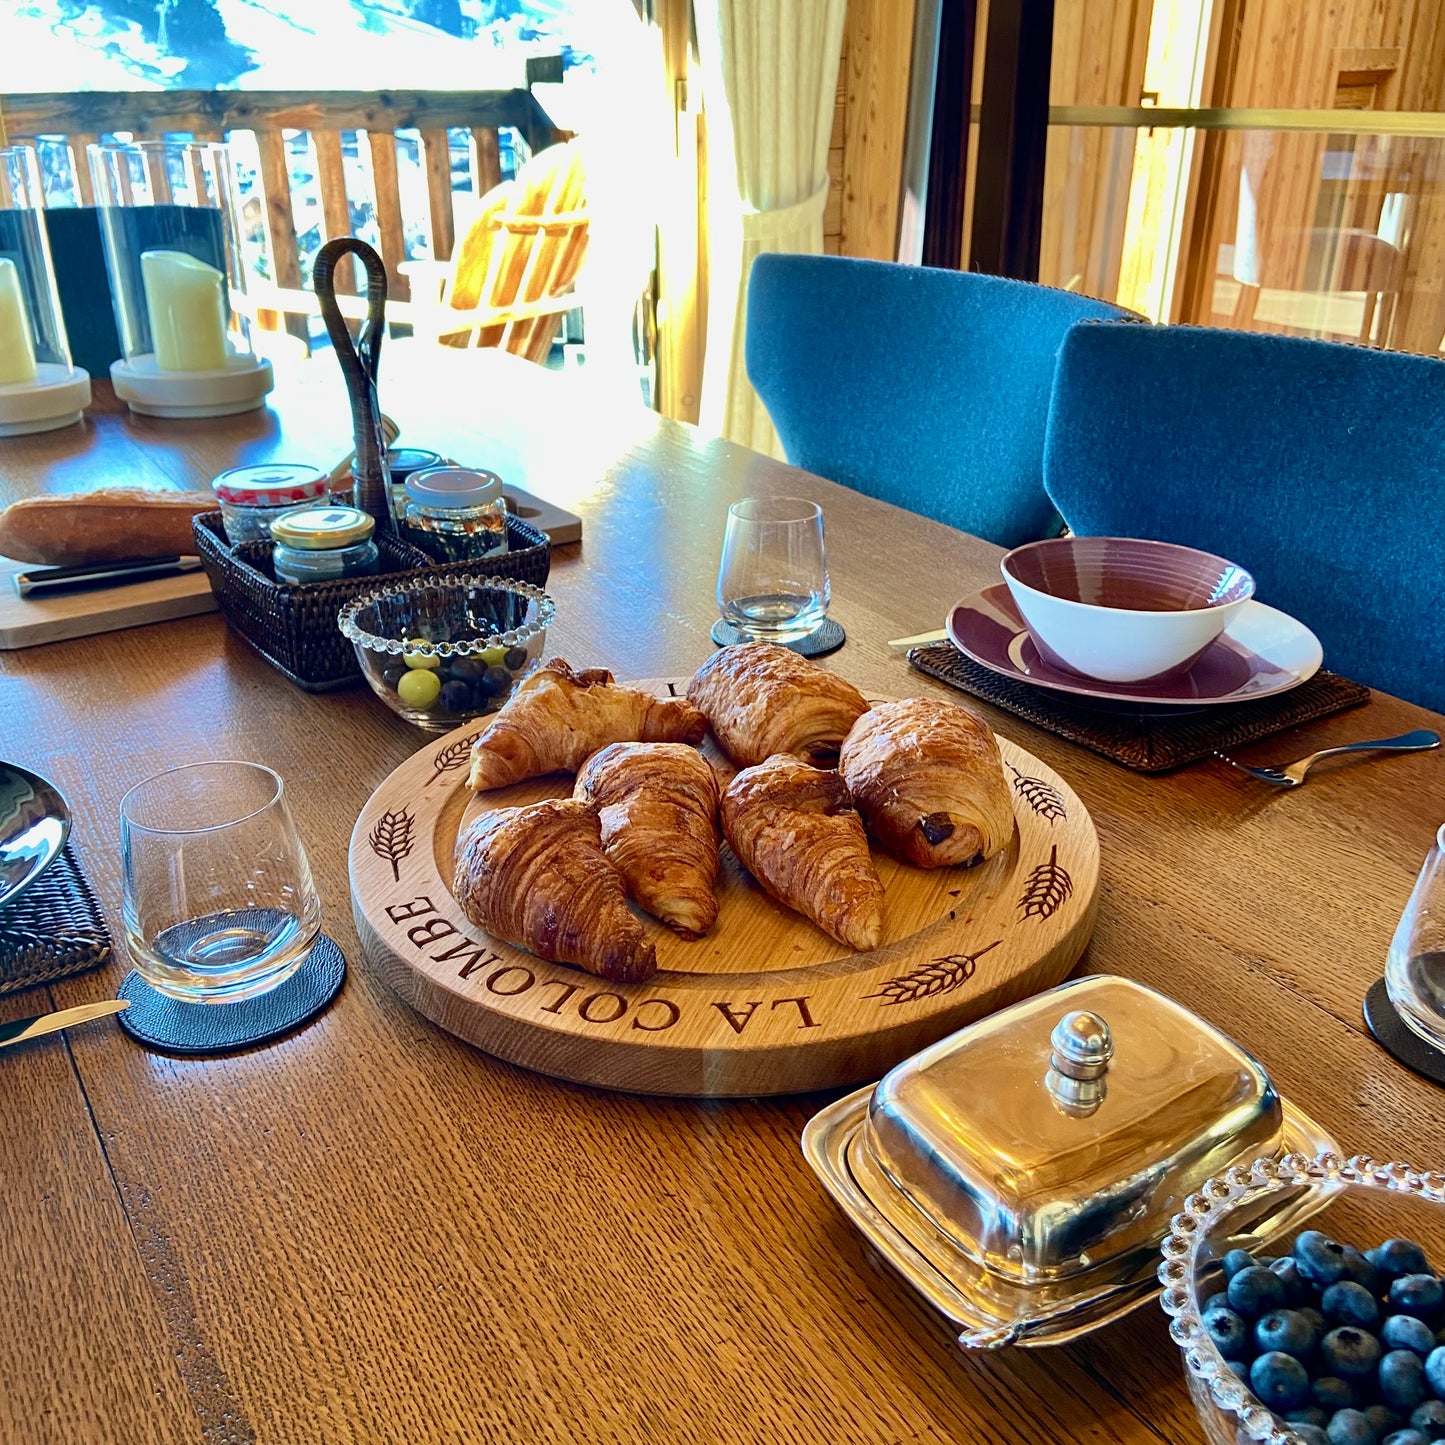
column 55, row 928
column 1150, row 742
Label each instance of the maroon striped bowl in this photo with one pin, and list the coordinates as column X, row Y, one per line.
column 1122, row 609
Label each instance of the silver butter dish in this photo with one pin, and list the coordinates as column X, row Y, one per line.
column 1021, row 1173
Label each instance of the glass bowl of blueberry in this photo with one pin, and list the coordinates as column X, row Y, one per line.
column 439, row 651
column 1331, row 1336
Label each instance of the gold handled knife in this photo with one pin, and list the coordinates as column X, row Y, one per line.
column 22, row 1029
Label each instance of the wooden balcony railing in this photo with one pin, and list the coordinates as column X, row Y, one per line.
column 84, row 117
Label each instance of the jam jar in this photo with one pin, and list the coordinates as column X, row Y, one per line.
column 253, row 497
column 455, row 514
column 401, row 462
column 320, row 544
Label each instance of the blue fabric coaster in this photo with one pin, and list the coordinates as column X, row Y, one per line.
column 1396, row 1037
column 161, row 1022
column 827, row 637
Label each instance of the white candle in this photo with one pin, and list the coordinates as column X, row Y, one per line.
column 17, row 347
column 186, row 306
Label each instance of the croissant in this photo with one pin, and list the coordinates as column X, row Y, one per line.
column 559, row 717
column 793, row 827
column 657, row 803
column 763, row 699
column 929, row 782
column 537, row 877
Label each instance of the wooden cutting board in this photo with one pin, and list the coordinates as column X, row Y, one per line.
column 29, row 621
column 766, row 1003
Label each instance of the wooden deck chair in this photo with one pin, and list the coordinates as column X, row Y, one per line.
column 512, row 274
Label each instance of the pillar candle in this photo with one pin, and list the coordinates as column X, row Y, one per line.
column 186, row 305
column 17, row 347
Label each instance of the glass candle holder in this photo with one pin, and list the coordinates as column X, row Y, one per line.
column 40, row 389
column 169, row 213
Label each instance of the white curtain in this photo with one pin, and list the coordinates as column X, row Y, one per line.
column 775, row 64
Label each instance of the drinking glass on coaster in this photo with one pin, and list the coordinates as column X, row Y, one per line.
column 772, row 582
column 1415, row 965
column 219, row 904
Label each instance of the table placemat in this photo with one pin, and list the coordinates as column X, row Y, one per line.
column 1149, row 742
column 54, row 929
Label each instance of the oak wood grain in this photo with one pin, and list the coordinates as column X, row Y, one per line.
column 371, row 1231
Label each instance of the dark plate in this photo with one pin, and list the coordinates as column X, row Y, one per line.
column 34, row 824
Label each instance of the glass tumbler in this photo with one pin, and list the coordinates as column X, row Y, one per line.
column 1415, row 965
column 772, row 582
column 218, row 899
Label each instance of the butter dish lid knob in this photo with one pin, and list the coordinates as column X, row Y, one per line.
column 1082, row 1046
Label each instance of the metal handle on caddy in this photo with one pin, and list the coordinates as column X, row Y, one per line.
column 359, row 363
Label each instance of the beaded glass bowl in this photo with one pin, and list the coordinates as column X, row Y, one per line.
column 439, row 651
column 1368, row 1203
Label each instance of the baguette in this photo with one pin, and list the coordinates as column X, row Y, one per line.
column 117, row 524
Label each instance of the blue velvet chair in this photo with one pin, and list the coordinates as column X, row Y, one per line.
column 923, row 387
column 1319, row 467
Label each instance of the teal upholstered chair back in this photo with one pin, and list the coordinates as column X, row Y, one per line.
column 1319, row 467
column 926, row 388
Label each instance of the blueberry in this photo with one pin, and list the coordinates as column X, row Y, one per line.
column 1348, row 1303
column 1398, row 1256
column 1406, row 1437
column 1320, row 1259
column 1230, row 1334
column 496, row 681
column 1286, row 1332
column 1255, row 1291
column 468, row 669
column 1296, row 1287
column 1320, row 1323
column 1331, row 1393
column 1383, row 1418
column 1402, row 1380
column 1435, row 1370
column 1361, row 1270
column 1240, row 1369
column 1405, row 1332
column 392, row 675
column 1280, row 1381
column 1308, row 1415
column 1417, row 1294
column 1350, row 1427
column 1352, row 1354
column 1218, row 1301
column 515, row 659
column 1429, row 1418
column 1312, row 1435
column 458, row 696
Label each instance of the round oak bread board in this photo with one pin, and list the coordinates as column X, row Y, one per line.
column 766, row 1003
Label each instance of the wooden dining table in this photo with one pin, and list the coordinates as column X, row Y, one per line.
column 371, row 1231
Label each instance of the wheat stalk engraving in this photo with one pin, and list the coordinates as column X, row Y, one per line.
column 942, row 975
column 452, row 756
column 392, row 840
column 1044, row 798
column 1048, row 889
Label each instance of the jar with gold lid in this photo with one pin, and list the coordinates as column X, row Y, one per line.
column 323, row 543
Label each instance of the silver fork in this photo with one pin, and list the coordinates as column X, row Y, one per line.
column 1293, row 774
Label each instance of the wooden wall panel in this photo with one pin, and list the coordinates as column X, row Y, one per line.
column 1100, row 47
column 874, row 76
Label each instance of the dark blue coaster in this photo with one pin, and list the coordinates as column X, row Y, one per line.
column 1396, row 1037
column 826, row 638
column 166, row 1023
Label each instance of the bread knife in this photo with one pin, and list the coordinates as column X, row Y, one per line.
column 40, row 581
column 22, row 1029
